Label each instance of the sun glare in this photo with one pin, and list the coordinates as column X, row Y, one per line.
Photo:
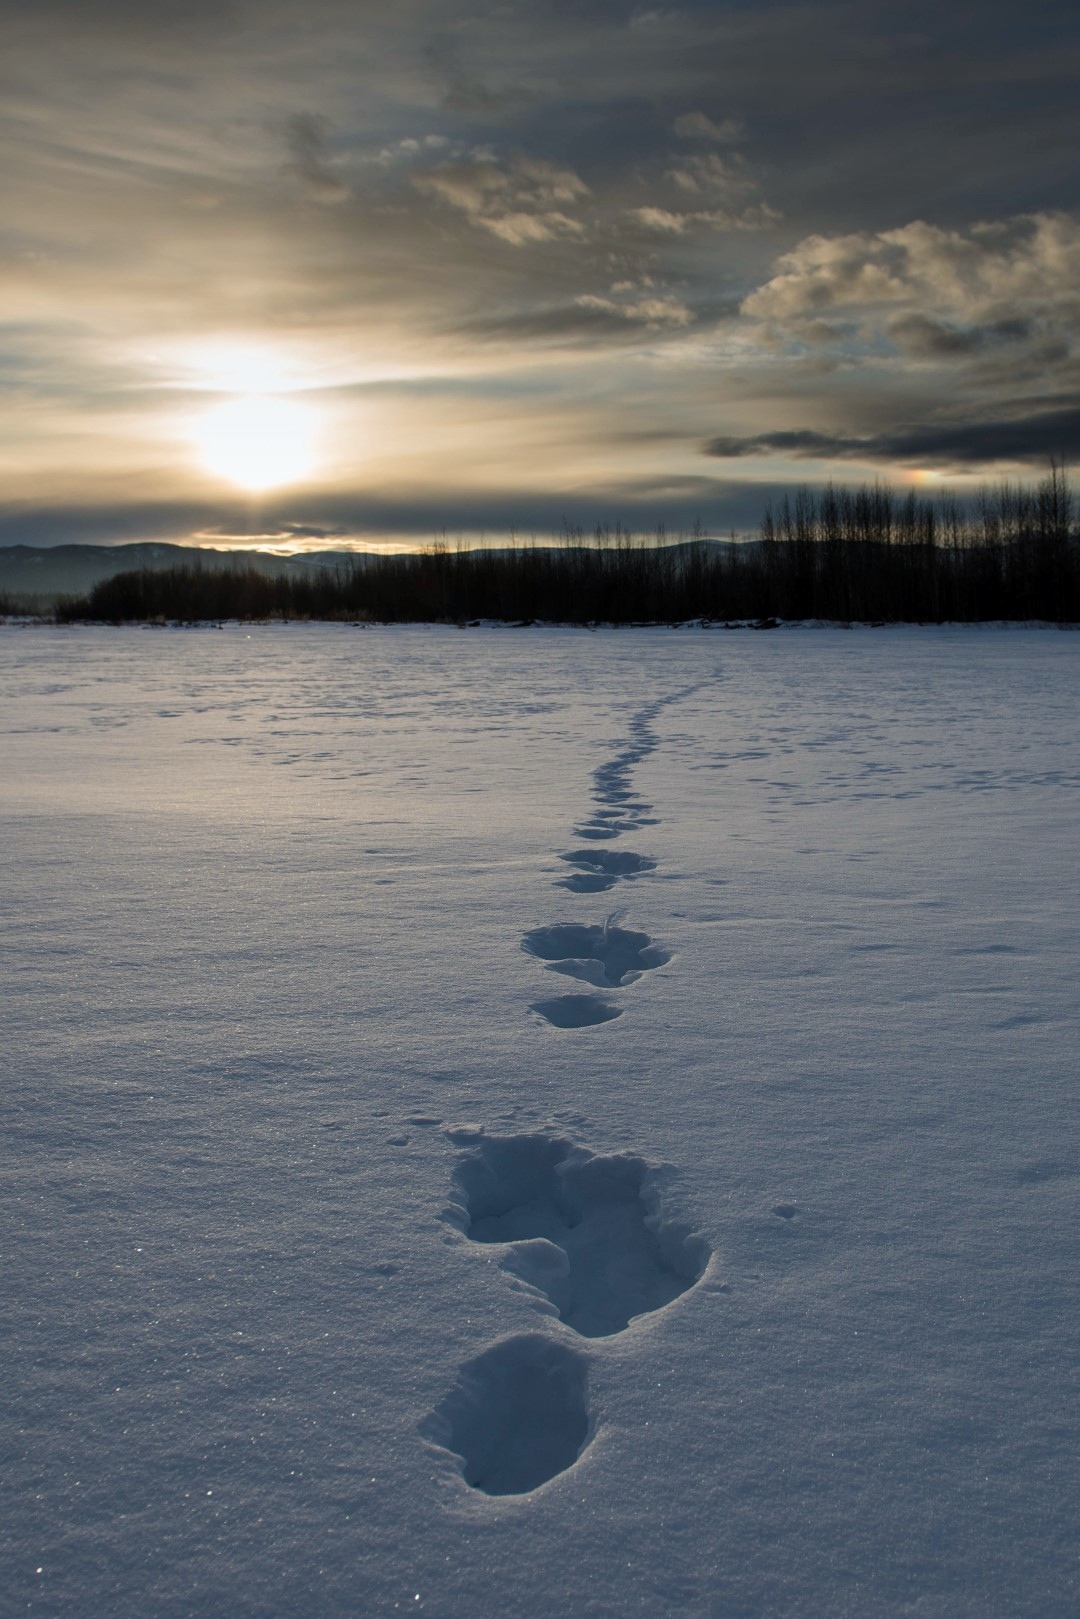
column 258, row 442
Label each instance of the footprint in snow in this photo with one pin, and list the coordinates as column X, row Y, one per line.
column 576, row 1011
column 600, row 869
column 611, row 823
column 517, row 1417
column 605, row 956
column 586, row 1230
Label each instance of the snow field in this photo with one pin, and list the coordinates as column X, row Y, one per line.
column 341, row 1280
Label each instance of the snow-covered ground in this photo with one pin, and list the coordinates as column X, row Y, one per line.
column 417, row 1203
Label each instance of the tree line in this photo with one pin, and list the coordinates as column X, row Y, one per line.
column 866, row 554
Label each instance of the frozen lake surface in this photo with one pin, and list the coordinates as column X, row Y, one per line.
column 528, row 1122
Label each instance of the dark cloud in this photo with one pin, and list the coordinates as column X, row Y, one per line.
column 463, row 92
column 306, row 138
column 698, row 126
column 935, row 339
column 125, row 17
column 641, row 505
column 588, row 321
column 286, row 533
column 1031, row 440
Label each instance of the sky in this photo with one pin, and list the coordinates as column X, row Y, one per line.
column 331, row 272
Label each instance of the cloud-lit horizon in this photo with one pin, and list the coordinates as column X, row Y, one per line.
column 351, row 272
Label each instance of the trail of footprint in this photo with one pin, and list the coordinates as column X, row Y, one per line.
column 618, row 807
column 583, row 1230
column 518, row 1415
column 606, row 957
column 586, row 1230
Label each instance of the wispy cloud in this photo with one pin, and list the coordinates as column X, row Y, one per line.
column 521, row 201
column 664, row 222
column 698, row 126
column 306, row 135
column 653, row 311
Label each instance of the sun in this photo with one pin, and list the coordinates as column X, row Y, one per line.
column 258, row 441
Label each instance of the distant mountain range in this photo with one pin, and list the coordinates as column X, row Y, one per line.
column 37, row 576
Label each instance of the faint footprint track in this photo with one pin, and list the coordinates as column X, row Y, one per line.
column 619, row 808
column 518, row 1415
column 605, row 956
column 586, row 1230
column 600, row 869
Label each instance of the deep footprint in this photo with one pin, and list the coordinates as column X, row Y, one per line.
column 600, row 869
column 605, row 957
column 576, row 1011
column 585, row 1230
column 518, row 1416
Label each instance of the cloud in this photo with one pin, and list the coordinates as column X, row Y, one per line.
column 725, row 194
column 306, row 137
column 518, row 229
column 662, row 222
column 926, row 338
column 520, row 202
column 614, row 320
column 707, row 173
column 470, row 94
column 655, row 310
column 931, row 292
column 587, row 321
column 109, row 18
column 1027, row 440
column 225, row 534
column 374, row 515
column 655, row 17
column 697, row 126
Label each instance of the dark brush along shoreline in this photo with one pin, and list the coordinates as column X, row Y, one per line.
column 862, row 555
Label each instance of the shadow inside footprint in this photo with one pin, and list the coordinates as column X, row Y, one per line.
column 605, row 956
column 518, row 1416
column 585, row 1230
column 576, row 1011
column 584, row 882
column 600, row 869
column 613, row 823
